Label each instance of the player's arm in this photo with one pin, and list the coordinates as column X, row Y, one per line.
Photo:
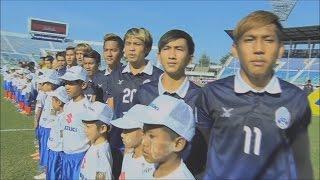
column 37, row 117
column 301, row 146
column 202, row 115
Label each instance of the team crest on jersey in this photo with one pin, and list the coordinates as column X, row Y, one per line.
column 120, row 82
column 146, row 81
column 69, row 118
column 282, row 117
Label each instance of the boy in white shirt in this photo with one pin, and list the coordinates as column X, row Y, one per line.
column 169, row 126
column 59, row 99
column 49, row 81
column 75, row 142
column 134, row 166
column 97, row 163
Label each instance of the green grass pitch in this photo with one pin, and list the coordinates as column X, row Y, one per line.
column 16, row 146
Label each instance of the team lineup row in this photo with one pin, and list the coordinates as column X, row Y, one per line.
column 158, row 124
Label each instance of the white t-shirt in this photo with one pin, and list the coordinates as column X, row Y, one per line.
column 74, row 136
column 182, row 172
column 135, row 168
column 55, row 137
column 98, row 158
column 27, row 89
column 41, row 97
column 48, row 114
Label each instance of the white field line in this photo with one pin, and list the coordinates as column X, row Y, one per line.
column 15, row 130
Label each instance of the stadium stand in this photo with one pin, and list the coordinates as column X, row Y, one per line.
column 297, row 65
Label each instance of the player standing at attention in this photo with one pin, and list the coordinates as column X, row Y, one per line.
column 112, row 52
column 176, row 49
column 258, row 123
column 80, row 50
column 60, row 57
column 70, row 57
column 123, row 83
column 91, row 63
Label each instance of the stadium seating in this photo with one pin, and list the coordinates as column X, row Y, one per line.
column 287, row 70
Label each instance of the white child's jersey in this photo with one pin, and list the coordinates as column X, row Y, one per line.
column 74, row 136
column 135, row 168
column 15, row 81
column 27, row 89
column 5, row 75
column 48, row 114
column 98, row 158
column 182, row 172
column 41, row 97
column 21, row 83
column 9, row 77
column 55, row 137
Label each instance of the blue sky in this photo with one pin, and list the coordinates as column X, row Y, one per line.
column 204, row 20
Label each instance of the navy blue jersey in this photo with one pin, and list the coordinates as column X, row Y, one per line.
column 94, row 91
column 251, row 132
column 196, row 159
column 61, row 71
column 104, row 86
column 122, row 86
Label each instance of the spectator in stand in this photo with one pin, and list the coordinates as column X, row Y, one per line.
column 308, row 88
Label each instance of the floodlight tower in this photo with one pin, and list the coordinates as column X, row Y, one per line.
column 283, row 8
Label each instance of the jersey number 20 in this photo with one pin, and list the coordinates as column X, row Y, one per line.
column 128, row 95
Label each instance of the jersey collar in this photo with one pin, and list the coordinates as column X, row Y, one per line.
column 181, row 91
column 240, row 86
column 106, row 72
column 147, row 69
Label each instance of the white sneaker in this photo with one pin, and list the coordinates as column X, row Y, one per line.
column 40, row 176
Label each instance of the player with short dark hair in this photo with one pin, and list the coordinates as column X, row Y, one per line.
column 176, row 49
column 70, row 56
column 91, row 63
column 61, row 59
column 112, row 51
column 257, row 123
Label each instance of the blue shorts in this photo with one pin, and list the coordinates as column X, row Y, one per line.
column 36, row 133
column 54, row 166
column 71, row 165
column 43, row 135
column 5, row 85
